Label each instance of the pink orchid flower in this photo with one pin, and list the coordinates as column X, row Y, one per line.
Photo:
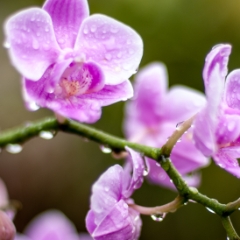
column 72, row 63
column 217, row 126
column 51, row 225
column 110, row 217
column 152, row 116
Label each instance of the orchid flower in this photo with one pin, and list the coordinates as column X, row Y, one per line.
column 152, row 116
column 72, row 63
column 51, row 225
column 217, row 126
column 110, row 216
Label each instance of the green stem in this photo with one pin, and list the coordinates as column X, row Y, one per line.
column 231, row 233
column 23, row 133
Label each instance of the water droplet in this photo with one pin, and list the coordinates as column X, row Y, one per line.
column 145, row 172
column 14, row 148
column 46, row 29
column 179, row 140
column 105, row 149
column 33, row 106
column 158, row 217
column 6, row 44
column 49, row 89
column 158, row 164
column 32, row 19
column 210, row 210
column 93, row 28
column 85, row 30
column 61, row 40
column 46, row 134
column 35, row 44
column 125, row 205
column 106, row 189
column 179, row 125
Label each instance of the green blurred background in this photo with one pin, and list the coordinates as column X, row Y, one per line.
column 58, row 173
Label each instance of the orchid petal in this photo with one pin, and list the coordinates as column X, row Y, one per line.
column 226, row 158
column 137, row 167
column 106, row 191
column 115, row 47
column 51, row 225
column 181, row 103
column 150, row 90
column 33, row 46
column 118, row 224
column 228, row 129
column 232, row 89
column 206, row 122
column 67, row 16
column 112, row 93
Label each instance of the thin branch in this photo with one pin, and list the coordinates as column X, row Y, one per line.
column 231, row 233
column 169, row 207
column 23, row 133
column 177, row 134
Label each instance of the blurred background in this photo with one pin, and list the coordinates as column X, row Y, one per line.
column 58, row 173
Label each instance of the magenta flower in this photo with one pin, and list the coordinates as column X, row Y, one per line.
column 110, row 216
column 71, row 62
column 51, row 225
column 217, row 126
column 152, row 117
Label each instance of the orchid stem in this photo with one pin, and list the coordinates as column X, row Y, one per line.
column 231, row 233
column 169, row 207
column 23, row 133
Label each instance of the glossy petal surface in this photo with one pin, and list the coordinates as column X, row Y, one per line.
column 33, row 46
column 67, row 16
column 115, row 47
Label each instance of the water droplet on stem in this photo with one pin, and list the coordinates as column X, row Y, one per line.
column 158, row 217
column 14, row 148
column 47, row 134
column 105, row 149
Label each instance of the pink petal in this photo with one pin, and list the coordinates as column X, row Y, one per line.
column 112, row 93
column 106, row 191
column 232, row 89
column 137, row 168
column 119, row 224
column 33, row 46
column 115, row 47
column 51, row 225
column 206, row 122
column 67, row 16
column 3, row 194
column 181, row 103
column 61, row 97
column 150, row 90
column 226, row 158
column 228, row 129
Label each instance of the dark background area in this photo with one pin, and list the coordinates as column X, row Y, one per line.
column 58, row 173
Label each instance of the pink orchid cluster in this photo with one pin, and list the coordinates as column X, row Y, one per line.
column 74, row 64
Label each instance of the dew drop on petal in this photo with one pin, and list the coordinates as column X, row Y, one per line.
column 85, row 30
column 158, row 217
column 93, row 28
column 35, row 44
column 145, row 172
column 158, row 164
column 33, row 106
column 106, row 189
column 46, row 134
column 6, row 44
column 105, row 149
column 108, row 56
column 14, row 148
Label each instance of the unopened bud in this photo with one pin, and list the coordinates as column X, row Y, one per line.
column 7, row 228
